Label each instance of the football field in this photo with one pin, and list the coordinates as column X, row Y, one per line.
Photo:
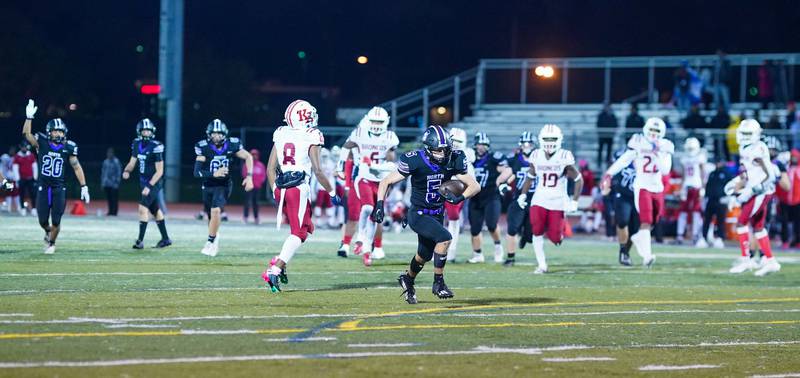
column 99, row 308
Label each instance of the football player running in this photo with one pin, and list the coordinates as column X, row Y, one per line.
column 52, row 149
column 149, row 153
column 753, row 189
column 493, row 175
column 651, row 155
column 375, row 146
column 458, row 137
column 212, row 164
column 625, row 215
column 692, row 191
column 550, row 166
column 517, row 216
column 428, row 168
column 295, row 154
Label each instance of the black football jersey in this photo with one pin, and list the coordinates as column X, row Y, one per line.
column 486, row 172
column 217, row 157
column 427, row 177
column 519, row 165
column 53, row 158
column 622, row 183
column 147, row 153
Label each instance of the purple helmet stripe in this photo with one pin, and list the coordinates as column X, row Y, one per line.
column 440, row 133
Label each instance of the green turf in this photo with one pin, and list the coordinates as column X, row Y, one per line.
column 98, row 300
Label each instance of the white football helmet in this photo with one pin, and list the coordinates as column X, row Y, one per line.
column 459, row 138
column 300, row 115
column 376, row 121
column 654, row 129
column 550, row 138
column 748, row 132
column 691, row 146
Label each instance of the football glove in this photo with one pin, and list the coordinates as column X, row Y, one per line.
column 30, row 110
column 335, row 199
column 758, row 189
column 7, row 185
column 522, row 201
column 377, row 212
column 572, row 206
column 503, row 189
column 452, row 198
column 85, row 194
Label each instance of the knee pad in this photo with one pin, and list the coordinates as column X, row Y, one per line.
column 492, row 229
column 426, row 255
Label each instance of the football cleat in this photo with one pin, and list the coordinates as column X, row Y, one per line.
column 50, row 249
column 274, row 276
column 138, row 245
column 378, row 253
column 769, row 265
column 624, row 258
column 718, row 243
column 476, row 258
column 407, row 284
column 743, row 264
column 163, row 243
column 508, row 263
column 498, row 255
column 441, row 290
column 648, row 263
column 367, row 258
column 358, row 248
column 210, row 249
column 272, row 281
column 542, row 269
column 343, row 250
column 701, row 243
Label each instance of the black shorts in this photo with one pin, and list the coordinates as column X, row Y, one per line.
column 515, row 217
column 50, row 202
column 625, row 214
column 430, row 231
column 216, row 196
column 27, row 189
column 151, row 201
column 483, row 210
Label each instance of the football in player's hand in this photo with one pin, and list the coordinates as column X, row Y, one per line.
column 453, row 186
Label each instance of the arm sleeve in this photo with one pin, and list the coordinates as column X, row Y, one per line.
column 406, row 165
column 623, row 161
column 199, row 171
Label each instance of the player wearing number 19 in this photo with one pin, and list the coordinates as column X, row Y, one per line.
column 212, row 165
column 149, row 153
column 429, row 168
column 52, row 149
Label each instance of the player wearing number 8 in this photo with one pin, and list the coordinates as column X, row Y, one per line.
column 214, row 155
column 53, row 149
column 651, row 155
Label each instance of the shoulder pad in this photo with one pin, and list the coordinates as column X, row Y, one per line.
column 202, row 143
column 137, row 139
column 159, row 148
column 234, row 139
column 411, row 153
column 499, row 155
column 635, row 140
column 71, row 143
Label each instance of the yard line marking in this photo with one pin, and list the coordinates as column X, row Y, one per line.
column 643, row 312
column 786, row 375
column 15, row 315
column 395, row 345
column 577, row 359
column 78, row 320
column 287, row 339
column 182, row 332
column 714, row 256
column 676, row 367
column 125, row 325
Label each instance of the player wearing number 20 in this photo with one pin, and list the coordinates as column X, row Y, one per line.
column 295, row 154
column 651, row 155
column 428, row 168
column 212, row 164
column 550, row 166
column 53, row 149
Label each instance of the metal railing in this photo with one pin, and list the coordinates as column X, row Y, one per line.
column 451, row 90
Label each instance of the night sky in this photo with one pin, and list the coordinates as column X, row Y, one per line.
column 84, row 52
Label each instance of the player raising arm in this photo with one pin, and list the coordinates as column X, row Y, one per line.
column 429, row 168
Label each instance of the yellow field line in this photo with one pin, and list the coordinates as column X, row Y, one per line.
column 386, row 328
column 349, row 325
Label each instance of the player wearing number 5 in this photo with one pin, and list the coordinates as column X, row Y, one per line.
column 52, row 149
column 429, row 168
column 212, row 164
column 149, row 153
column 651, row 155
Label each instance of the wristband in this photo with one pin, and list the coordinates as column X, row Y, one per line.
column 148, row 185
column 249, row 174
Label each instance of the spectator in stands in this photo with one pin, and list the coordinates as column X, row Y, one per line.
column 110, row 176
column 795, row 130
column 25, row 164
column 774, row 123
column 680, row 92
column 720, row 122
column 606, row 126
column 766, row 82
column 791, row 114
column 722, row 79
column 634, row 122
column 259, row 176
column 694, row 120
column 716, row 203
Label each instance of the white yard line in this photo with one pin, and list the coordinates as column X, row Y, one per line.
column 676, row 367
column 12, row 315
column 714, row 256
column 124, row 325
column 285, row 339
column 577, row 359
column 395, row 345
column 784, row 375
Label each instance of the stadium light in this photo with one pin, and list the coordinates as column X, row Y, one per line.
column 362, row 59
column 441, row 110
column 544, row 72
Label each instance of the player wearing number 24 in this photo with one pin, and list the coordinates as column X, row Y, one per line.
column 52, row 149
column 429, row 168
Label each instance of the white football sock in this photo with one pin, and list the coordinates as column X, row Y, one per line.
column 682, row 225
column 290, row 246
column 538, row 250
column 367, row 227
column 331, row 214
column 642, row 241
column 697, row 225
column 453, row 227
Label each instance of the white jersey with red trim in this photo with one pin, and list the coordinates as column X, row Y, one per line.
column 692, row 169
column 292, row 146
column 650, row 162
column 754, row 173
column 370, row 154
column 551, row 192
